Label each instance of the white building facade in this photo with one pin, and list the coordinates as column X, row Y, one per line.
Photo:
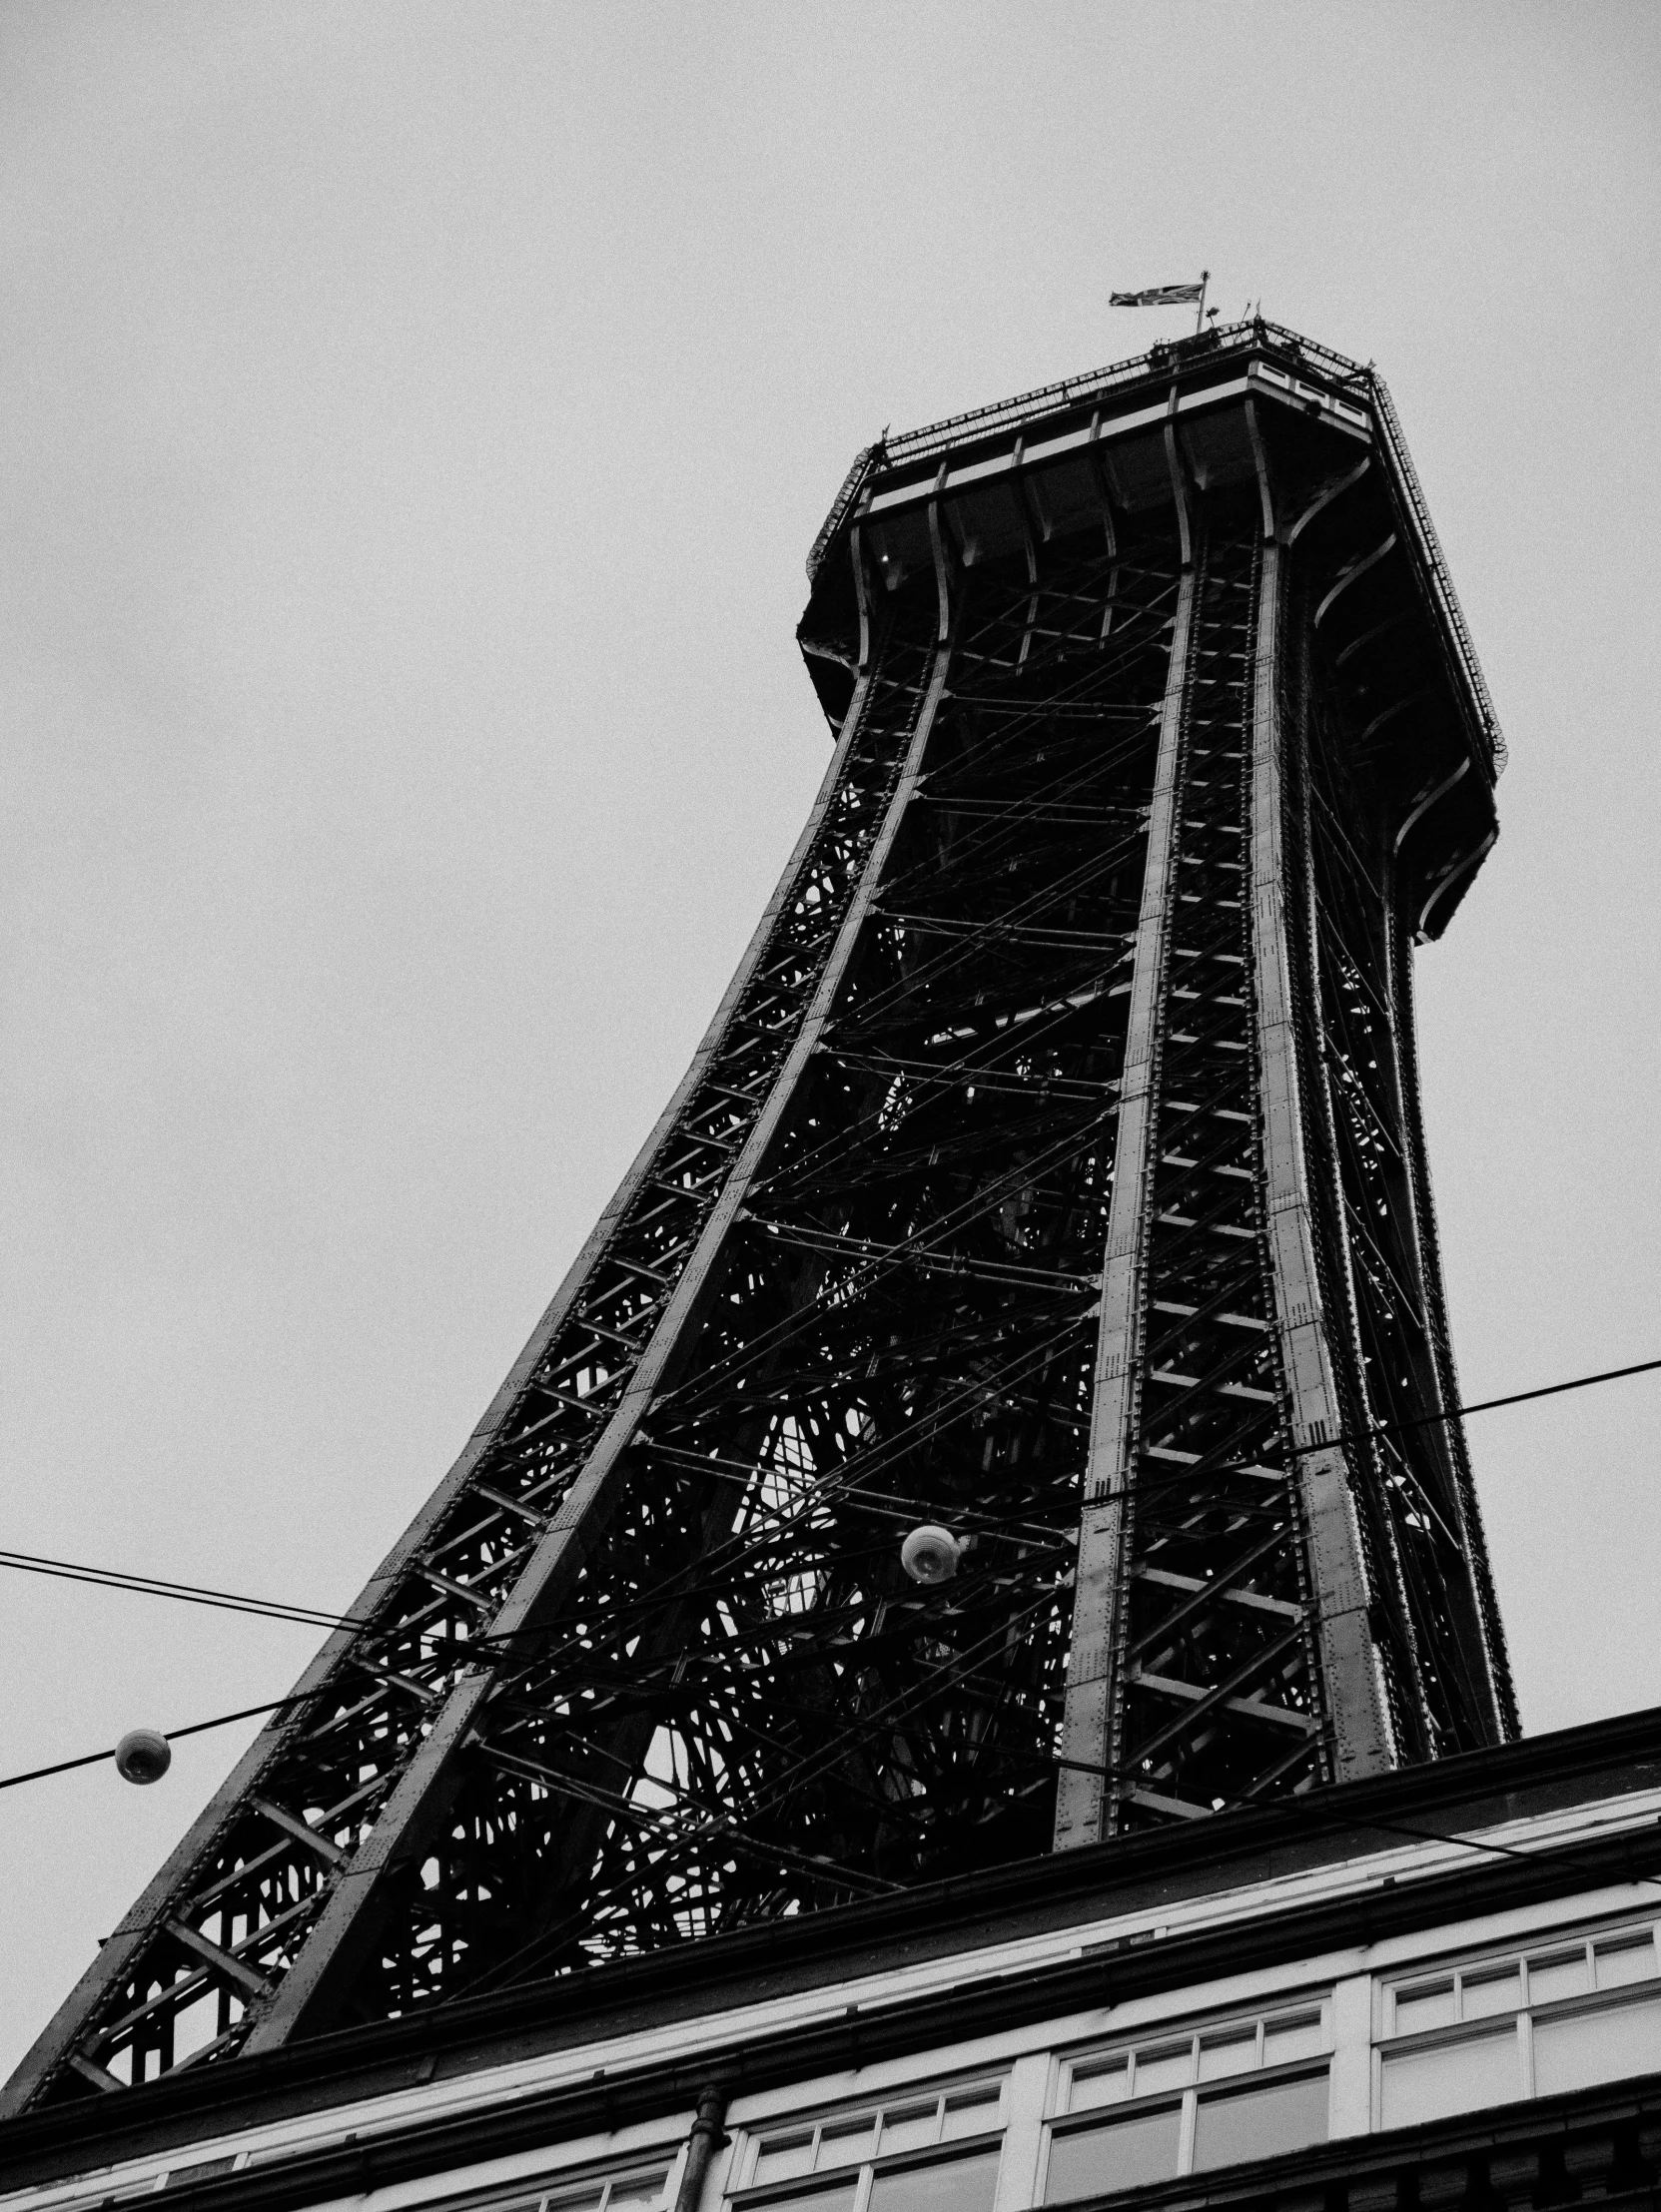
column 1440, row 1988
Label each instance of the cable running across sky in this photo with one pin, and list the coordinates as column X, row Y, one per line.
column 305, row 1616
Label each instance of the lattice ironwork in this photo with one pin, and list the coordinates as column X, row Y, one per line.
column 1052, row 1170
column 1217, row 1628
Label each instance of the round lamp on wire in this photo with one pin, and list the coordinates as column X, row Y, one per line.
column 143, row 1755
column 930, row 1554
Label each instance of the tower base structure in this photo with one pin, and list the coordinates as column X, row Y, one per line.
column 1437, row 1987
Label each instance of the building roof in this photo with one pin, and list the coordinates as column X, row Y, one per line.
column 1354, row 1863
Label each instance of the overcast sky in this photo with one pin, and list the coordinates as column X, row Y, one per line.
column 412, row 421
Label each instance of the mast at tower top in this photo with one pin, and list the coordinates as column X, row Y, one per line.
column 1048, row 1198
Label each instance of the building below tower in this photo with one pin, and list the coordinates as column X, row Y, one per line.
column 1440, row 1988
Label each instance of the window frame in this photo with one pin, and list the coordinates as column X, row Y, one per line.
column 1067, row 2059
column 754, row 2196
column 1457, row 1966
column 530, row 2191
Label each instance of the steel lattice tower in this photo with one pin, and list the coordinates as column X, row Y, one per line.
column 1052, row 1170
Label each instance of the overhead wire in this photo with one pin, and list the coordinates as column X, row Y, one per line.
column 304, row 1615
column 828, row 1751
column 760, row 1536
column 975, row 1394
column 172, row 1735
column 194, row 1593
column 775, row 1529
column 1295, row 1801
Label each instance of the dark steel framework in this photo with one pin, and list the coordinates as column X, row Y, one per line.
column 1052, row 1170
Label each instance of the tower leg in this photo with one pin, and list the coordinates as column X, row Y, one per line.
column 1356, row 1705
column 1083, row 1796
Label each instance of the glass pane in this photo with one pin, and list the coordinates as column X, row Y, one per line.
column 1557, row 1975
column 1490, row 1989
column 1293, row 2035
column 782, row 2157
column 1459, row 2077
column 1623, row 1958
column 839, row 2197
column 583, row 2199
column 1596, row 2046
column 841, row 2142
column 1168, row 2066
column 1425, row 2005
column 968, row 2112
column 944, row 2185
column 909, row 2126
column 1233, row 2052
column 1102, row 2082
column 1261, row 2121
column 1121, row 2155
column 641, row 2188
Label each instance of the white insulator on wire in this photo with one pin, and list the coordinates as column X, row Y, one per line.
column 143, row 1755
column 930, row 1554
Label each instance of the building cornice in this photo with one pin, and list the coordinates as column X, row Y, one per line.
column 1361, row 1821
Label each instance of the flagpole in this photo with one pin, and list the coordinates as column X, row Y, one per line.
column 1200, row 316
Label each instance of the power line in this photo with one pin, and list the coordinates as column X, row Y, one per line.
column 172, row 1735
column 1335, row 1817
column 273, row 1609
column 192, row 1592
column 1338, row 1818
column 1521, row 1397
column 153, row 1586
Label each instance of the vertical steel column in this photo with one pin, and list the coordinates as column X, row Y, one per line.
column 421, row 1798
column 1440, row 1381
column 1351, row 1675
column 1082, row 1794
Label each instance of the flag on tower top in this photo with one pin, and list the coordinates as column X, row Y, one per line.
column 1158, row 296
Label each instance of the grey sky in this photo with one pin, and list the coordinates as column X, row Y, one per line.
column 412, row 421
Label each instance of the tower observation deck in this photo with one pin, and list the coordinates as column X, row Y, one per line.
column 1052, row 1173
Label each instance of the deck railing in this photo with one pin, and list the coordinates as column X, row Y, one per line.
column 1232, row 339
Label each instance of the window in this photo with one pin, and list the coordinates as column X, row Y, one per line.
column 1186, row 2102
column 1560, row 2016
column 924, row 2151
column 623, row 2189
